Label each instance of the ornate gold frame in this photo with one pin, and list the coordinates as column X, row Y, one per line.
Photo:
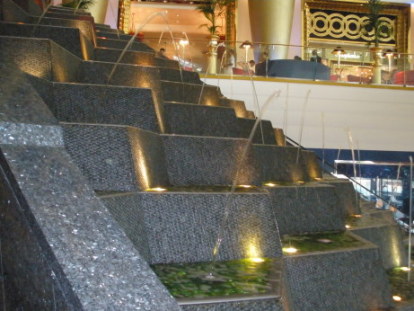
column 400, row 11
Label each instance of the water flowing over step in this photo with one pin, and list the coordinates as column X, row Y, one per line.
column 112, row 34
column 341, row 272
column 14, row 13
column 121, row 44
column 99, row 104
column 236, row 285
column 86, row 252
column 145, row 159
column 69, row 38
column 133, row 57
column 214, row 121
column 182, row 227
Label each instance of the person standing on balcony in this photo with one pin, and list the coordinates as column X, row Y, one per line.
column 315, row 57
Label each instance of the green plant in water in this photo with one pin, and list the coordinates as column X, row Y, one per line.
column 400, row 286
column 374, row 23
column 320, row 242
column 212, row 11
column 80, row 4
column 236, row 277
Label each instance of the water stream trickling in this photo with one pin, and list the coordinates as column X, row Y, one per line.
column 256, row 102
column 77, row 7
column 132, row 40
column 36, row 25
column 302, row 123
column 229, row 195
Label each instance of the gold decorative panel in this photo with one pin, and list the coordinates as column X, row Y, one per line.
column 343, row 26
column 124, row 22
column 340, row 23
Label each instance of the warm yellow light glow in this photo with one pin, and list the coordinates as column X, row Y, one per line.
column 406, row 269
column 183, row 42
column 252, row 251
column 347, row 226
column 357, row 216
column 157, row 189
column 317, row 178
column 245, row 186
column 256, row 259
column 290, row 250
column 270, row 184
column 396, row 298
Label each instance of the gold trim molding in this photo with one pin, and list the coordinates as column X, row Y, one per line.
column 339, row 23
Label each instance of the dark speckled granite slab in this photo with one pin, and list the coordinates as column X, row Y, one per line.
column 197, row 160
column 61, row 249
column 187, row 119
column 313, row 207
column 183, row 227
column 69, row 247
column 117, row 158
column 19, row 102
column 252, row 305
column 46, row 59
column 351, row 280
column 69, row 38
column 98, row 104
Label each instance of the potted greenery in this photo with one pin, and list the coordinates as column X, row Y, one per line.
column 374, row 25
column 212, row 11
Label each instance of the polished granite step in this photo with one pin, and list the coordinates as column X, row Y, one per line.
column 181, row 225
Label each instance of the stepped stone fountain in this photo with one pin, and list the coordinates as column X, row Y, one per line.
column 81, row 227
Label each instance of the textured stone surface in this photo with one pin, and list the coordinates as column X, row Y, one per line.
column 187, row 119
column 117, row 158
column 253, row 305
column 388, row 237
column 264, row 133
column 183, row 76
column 197, row 160
column 133, row 57
column 280, row 163
column 126, row 75
column 312, row 166
column 46, row 59
column 347, row 195
column 190, row 93
column 69, row 38
column 183, row 227
column 121, row 44
column 69, row 252
column 351, row 280
column 307, row 208
column 118, row 105
column 237, row 105
column 15, row 13
column 30, row 134
column 106, row 32
column 19, row 102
